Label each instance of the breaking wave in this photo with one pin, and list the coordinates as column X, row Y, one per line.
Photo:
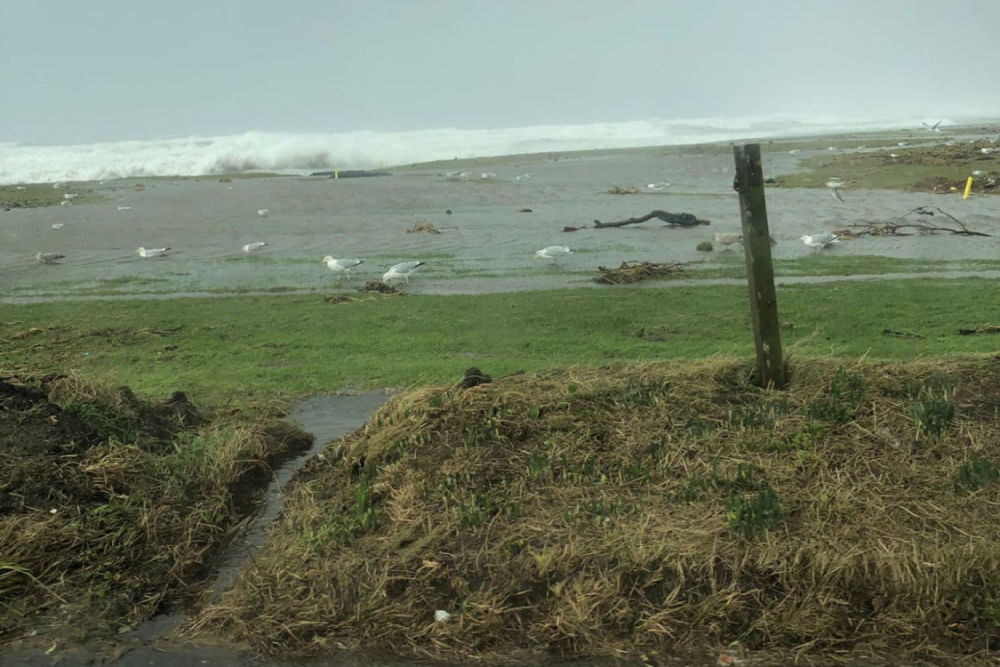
column 301, row 153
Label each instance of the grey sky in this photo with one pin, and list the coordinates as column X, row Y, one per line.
column 128, row 69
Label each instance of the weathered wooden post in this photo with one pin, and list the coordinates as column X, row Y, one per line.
column 749, row 183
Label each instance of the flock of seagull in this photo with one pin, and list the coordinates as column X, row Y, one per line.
column 403, row 270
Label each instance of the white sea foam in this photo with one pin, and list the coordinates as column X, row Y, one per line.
column 301, row 153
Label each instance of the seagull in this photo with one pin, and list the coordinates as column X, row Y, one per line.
column 794, row 151
column 65, row 203
column 57, row 185
column 48, row 257
column 124, row 208
column 903, row 143
column 341, row 266
column 932, row 128
column 658, row 186
column 487, row 174
column 58, row 225
column 523, row 177
column 862, row 147
column 835, row 184
column 263, row 212
column 69, row 196
column 152, row 252
column 820, row 241
column 257, row 245
column 831, row 148
column 401, row 271
column 727, row 239
column 22, row 187
column 979, row 172
column 553, row 252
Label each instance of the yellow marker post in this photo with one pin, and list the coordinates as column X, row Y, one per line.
column 336, row 174
column 968, row 186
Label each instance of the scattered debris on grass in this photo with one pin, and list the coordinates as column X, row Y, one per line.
column 901, row 334
column 985, row 329
column 338, row 298
column 986, row 184
column 379, row 287
column 110, row 506
column 633, row 272
column 648, row 510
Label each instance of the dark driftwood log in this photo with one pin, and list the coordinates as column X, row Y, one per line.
column 677, row 219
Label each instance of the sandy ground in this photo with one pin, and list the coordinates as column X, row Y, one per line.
column 485, row 245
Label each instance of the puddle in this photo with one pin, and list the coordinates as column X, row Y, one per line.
column 326, row 418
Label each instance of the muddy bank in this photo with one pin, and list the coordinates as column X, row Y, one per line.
column 660, row 508
column 113, row 508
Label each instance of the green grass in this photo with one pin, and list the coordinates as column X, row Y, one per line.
column 255, row 347
column 877, row 171
column 35, row 196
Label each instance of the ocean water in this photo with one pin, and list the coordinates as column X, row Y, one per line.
column 302, row 153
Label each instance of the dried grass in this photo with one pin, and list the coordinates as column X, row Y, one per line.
column 600, row 511
column 139, row 498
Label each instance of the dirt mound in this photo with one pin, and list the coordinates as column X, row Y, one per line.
column 650, row 510
column 110, row 505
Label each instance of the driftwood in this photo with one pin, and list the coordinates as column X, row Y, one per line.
column 901, row 227
column 674, row 219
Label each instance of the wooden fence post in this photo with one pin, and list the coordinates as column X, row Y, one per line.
column 749, row 183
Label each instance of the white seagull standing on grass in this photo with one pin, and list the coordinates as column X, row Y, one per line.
column 256, row 245
column 48, row 257
column 553, row 252
column 835, row 184
column 401, row 271
column 820, row 241
column 152, row 252
column 263, row 212
column 341, row 266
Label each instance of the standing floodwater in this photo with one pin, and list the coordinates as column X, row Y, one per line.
column 326, row 418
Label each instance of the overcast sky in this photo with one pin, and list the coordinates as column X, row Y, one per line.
column 74, row 71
